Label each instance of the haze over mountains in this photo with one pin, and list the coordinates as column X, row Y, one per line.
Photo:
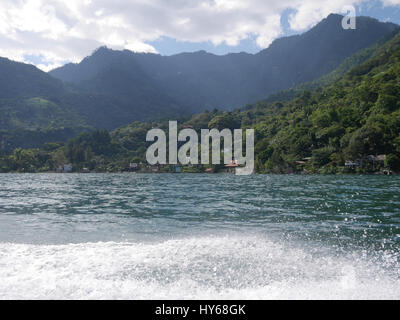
column 113, row 88
column 200, row 80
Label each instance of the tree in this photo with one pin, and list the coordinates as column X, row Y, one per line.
column 393, row 162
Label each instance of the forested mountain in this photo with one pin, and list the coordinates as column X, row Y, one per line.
column 36, row 108
column 327, row 79
column 31, row 112
column 111, row 88
column 20, row 80
column 349, row 126
column 200, row 80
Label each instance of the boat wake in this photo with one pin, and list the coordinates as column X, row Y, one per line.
column 231, row 267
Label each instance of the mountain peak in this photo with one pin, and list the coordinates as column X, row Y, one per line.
column 200, row 80
column 101, row 50
column 334, row 16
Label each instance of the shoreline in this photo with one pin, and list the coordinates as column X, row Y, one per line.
column 216, row 173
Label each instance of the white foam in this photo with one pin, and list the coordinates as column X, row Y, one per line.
column 228, row 267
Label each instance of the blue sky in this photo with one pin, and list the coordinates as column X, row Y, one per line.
column 50, row 33
column 168, row 46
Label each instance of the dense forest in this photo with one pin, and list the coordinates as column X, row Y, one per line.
column 111, row 88
column 349, row 125
column 197, row 81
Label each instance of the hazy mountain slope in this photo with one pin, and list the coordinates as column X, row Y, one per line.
column 19, row 80
column 34, row 121
column 31, row 108
column 327, row 79
column 36, row 107
column 200, row 80
column 111, row 88
column 354, row 120
column 357, row 118
column 129, row 90
column 297, row 59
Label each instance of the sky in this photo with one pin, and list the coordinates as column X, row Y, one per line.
column 50, row 33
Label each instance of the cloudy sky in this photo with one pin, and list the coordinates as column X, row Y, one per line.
column 49, row 33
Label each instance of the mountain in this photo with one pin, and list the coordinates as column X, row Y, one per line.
column 111, row 88
column 20, row 80
column 200, row 80
column 351, row 125
column 36, row 108
column 349, row 63
column 31, row 112
column 303, row 58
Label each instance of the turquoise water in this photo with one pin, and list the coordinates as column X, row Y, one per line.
column 128, row 236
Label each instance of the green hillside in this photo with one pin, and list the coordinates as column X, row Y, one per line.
column 35, row 121
column 112, row 88
column 355, row 119
column 36, row 108
column 198, row 81
column 349, row 63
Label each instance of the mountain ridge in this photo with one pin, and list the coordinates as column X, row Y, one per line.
column 201, row 80
column 148, row 87
column 350, row 125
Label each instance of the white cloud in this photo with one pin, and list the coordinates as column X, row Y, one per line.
column 59, row 30
column 309, row 13
column 48, row 67
column 391, row 2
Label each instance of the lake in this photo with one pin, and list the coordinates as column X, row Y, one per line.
column 198, row 236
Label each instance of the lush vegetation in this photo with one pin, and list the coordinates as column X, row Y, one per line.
column 349, row 117
column 111, row 88
column 152, row 84
column 356, row 117
column 349, row 63
column 34, row 121
column 36, row 108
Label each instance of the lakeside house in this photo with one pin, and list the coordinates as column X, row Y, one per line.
column 301, row 164
column 375, row 161
column 231, row 167
column 189, row 167
column 303, row 161
column 133, row 167
column 66, row 168
column 352, row 164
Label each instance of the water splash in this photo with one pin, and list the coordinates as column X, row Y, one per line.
column 230, row 267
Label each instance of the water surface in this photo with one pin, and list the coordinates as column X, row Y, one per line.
column 187, row 236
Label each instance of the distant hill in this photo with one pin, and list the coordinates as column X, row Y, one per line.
column 111, row 88
column 36, row 108
column 200, row 80
column 347, row 64
column 20, row 80
column 350, row 125
column 31, row 112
